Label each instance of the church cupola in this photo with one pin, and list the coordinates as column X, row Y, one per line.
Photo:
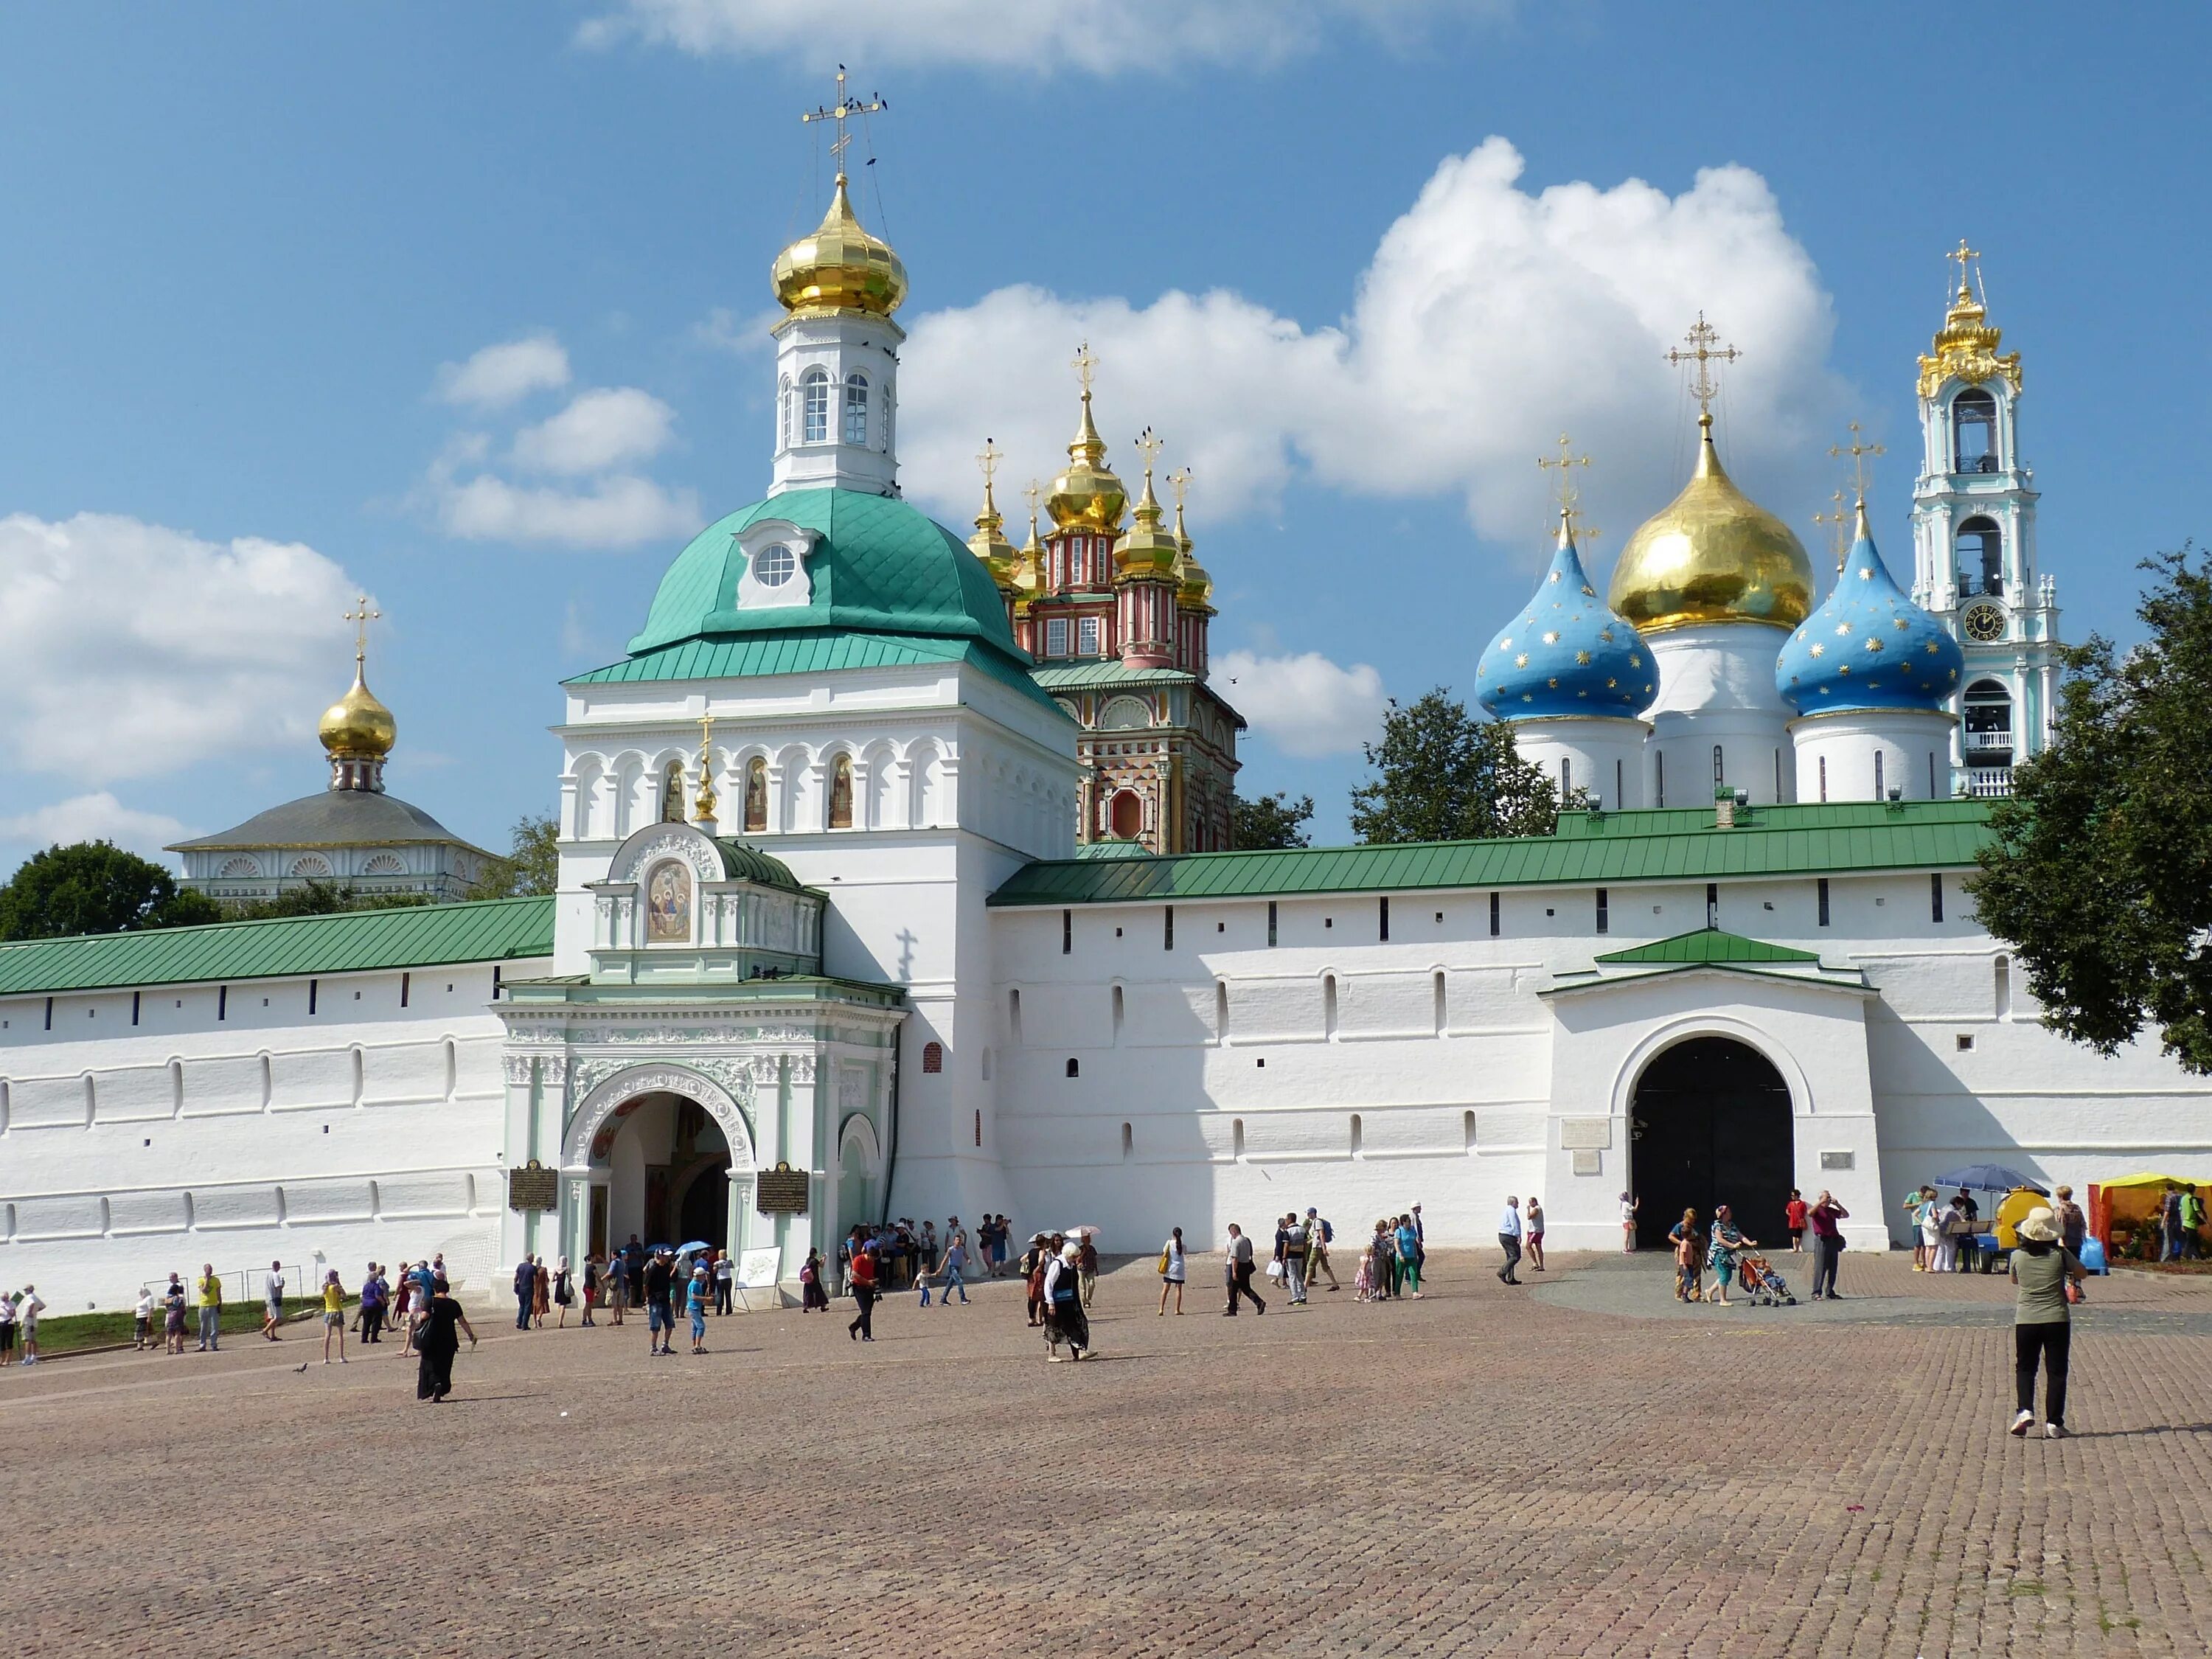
column 836, row 394
column 1145, row 582
column 358, row 731
column 1872, row 676
column 1075, row 611
column 1194, row 610
column 989, row 543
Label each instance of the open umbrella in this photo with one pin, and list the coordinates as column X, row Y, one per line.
column 1091, row 1233
column 1990, row 1178
column 694, row 1248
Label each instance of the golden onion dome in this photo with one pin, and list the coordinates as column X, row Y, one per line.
column 839, row 268
column 1029, row 567
column 1712, row 554
column 357, row 727
column 1195, row 589
column 1149, row 548
column 989, row 543
column 1087, row 496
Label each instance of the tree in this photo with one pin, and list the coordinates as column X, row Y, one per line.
column 95, row 887
column 2100, row 871
column 532, row 865
column 1269, row 821
column 320, row 899
column 1447, row 776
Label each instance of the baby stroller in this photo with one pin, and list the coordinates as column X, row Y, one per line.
column 1766, row 1287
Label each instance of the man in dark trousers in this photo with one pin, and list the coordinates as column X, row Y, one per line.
column 659, row 1321
column 1237, row 1272
column 525, row 1292
column 634, row 1270
column 1508, row 1240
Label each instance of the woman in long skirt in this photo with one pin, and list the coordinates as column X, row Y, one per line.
column 437, row 1344
column 541, row 1293
column 1064, row 1318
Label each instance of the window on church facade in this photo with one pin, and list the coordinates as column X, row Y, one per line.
column 1603, row 922
column 841, row 794
column 814, row 396
column 1720, row 774
column 1881, row 788
column 756, row 794
column 1981, row 557
column 1087, row 637
column 1823, row 889
column 1935, row 896
column 1055, row 636
column 856, row 409
column 1974, row 431
column 783, row 412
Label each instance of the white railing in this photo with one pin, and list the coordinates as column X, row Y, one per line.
column 1986, row 741
column 1985, row 782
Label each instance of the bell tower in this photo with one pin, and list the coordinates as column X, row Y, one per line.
column 1974, row 538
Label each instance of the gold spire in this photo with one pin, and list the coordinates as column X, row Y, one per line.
column 1838, row 543
column 358, row 728
column 702, row 811
column 1086, row 496
column 989, row 543
column 840, row 268
column 1965, row 347
column 1195, row 590
column 1711, row 555
column 1029, row 563
column 1148, row 548
column 1858, row 452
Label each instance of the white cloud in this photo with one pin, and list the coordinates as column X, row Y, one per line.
column 133, row 650
column 597, row 430
column 1305, row 705
column 506, row 373
column 621, row 511
column 723, row 330
column 1488, row 320
column 1100, row 37
column 96, row 817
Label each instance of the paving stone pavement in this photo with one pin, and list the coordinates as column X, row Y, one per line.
column 1482, row 1472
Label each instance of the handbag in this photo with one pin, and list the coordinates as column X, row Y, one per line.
column 1275, row 1269
column 2074, row 1291
column 1164, row 1264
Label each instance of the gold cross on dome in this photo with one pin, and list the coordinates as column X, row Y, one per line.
column 1562, row 488
column 1584, row 532
column 1838, row 543
column 1179, row 481
column 1086, row 366
column 361, row 616
column 1858, row 452
column 1965, row 256
column 1704, row 354
column 839, row 111
column 1151, row 445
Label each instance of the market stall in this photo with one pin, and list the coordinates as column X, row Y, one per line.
column 2126, row 1214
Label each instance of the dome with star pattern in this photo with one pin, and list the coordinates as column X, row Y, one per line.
column 1867, row 646
column 1567, row 653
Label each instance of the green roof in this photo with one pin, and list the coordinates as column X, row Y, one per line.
column 1677, row 844
column 1059, row 676
column 879, row 565
column 354, row 941
column 1113, row 849
column 809, row 651
column 743, row 861
column 1708, row 944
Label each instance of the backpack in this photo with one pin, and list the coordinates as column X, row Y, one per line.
column 1327, row 1233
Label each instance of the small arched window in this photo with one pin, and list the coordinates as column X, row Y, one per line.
column 672, row 792
column 756, row 793
column 841, row 794
column 856, row 409
column 783, row 412
column 1974, row 431
column 1981, row 557
column 1720, row 774
column 814, row 396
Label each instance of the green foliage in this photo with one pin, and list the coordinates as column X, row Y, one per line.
column 1270, row 821
column 1443, row 775
column 319, row 898
column 95, row 887
column 2100, row 873
column 531, row 866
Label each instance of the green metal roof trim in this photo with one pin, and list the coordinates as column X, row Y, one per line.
column 880, row 566
column 1106, row 671
column 356, row 941
column 743, row 861
column 1709, row 944
column 812, row 651
column 1113, row 849
column 1593, row 849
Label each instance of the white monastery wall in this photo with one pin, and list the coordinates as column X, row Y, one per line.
column 232, row 1125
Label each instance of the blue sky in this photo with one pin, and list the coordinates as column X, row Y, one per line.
column 249, row 248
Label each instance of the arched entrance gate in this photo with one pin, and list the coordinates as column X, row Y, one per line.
column 663, row 1153
column 1710, row 1124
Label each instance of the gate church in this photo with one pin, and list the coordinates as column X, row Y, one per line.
column 886, row 864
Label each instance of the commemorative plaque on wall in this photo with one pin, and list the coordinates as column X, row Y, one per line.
column 781, row 1191
column 532, row 1186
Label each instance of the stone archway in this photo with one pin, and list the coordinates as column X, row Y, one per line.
column 1710, row 1123
column 602, row 1106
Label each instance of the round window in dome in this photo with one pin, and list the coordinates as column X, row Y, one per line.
column 773, row 566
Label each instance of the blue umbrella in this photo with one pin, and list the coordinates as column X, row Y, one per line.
column 1990, row 1178
column 695, row 1246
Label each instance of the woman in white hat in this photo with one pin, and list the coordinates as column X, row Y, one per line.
column 1064, row 1318
column 2046, row 1272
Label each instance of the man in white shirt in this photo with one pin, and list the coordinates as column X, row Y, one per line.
column 1508, row 1240
column 272, row 1302
column 26, row 1314
column 1238, row 1271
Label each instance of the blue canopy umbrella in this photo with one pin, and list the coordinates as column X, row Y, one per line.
column 1990, row 1178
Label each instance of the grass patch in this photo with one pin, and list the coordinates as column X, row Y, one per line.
column 73, row 1333
column 2024, row 1587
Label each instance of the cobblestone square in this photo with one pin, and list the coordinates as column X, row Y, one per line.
column 1579, row 1466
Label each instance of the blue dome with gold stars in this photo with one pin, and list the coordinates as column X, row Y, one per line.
column 1567, row 653
column 1869, row 646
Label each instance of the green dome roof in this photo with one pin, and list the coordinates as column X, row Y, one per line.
column 879, row 568
column 745, row 862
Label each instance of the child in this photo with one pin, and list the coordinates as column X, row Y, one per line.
column 334, row 1319
column 1362, row 1282
column 1689, row 1259
column 1794, row 1214
column 695, row 1304
column 921, row 1280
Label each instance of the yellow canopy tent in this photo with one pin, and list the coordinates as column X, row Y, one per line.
column 2124, row 1212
